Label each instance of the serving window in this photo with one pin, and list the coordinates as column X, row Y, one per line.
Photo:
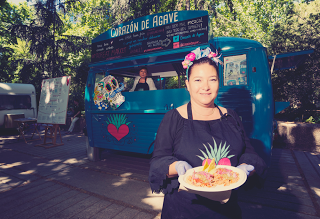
column 235, row 70
column 164, row 76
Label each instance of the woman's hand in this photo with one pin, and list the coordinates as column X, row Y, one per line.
column 182, row 167
column 178, row 168
column 248, row 169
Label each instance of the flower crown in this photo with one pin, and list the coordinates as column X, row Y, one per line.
column 198, row 54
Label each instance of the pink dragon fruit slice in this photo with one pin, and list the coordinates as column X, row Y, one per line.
column 224, row 161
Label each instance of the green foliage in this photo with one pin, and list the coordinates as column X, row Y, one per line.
column 10, row 14
column 311, row 120
column 249, row 19
column 88, row 18
column 300, row 30
column 314, row 118
column 172, row 82
column 41, row 49
column 128, row 83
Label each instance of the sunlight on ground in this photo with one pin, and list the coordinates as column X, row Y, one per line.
column 64, row 172
column 72, row 161
column 282, row 188
column 316, row 190
column 46, row 164
column 6, row 166
column 126, row 174
column 290, row 187
column 154, row 200
column 59, row 167
column 55, row 161
column 316, row 136
column 4, row 179
column 123, row 181
column 27, row 172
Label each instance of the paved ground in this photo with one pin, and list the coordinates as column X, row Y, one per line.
column 60, row 182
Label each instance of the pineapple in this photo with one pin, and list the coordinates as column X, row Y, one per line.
column 219, row 155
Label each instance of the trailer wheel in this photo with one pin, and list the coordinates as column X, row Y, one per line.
column 93, row 153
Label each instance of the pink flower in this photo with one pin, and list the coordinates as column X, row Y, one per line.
column 191, row 56
column 212, row 54
column 185, row 63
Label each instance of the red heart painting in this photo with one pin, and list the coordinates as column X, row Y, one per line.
column 118, row 133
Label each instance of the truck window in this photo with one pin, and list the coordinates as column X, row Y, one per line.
column 173, row 82
column 235, row 70
column 9, row 102
column 99, row 77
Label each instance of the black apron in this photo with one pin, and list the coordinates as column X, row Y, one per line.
column 221, row 134
column 142, row 86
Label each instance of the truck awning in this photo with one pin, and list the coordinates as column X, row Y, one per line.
column 288, row 60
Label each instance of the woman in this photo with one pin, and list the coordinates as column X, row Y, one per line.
column 184, row 131
column 143, row 83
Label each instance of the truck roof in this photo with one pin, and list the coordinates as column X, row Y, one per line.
column 227, row 44
column 16, row 88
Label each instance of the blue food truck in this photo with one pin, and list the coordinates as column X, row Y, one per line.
column 160, row 42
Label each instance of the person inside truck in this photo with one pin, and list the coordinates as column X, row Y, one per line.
column 191, row 134
column 143, row 82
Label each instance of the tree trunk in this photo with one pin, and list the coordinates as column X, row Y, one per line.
column 187, row 5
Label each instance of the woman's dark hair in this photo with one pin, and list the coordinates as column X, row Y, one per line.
column 143, row 67
column 204, row 60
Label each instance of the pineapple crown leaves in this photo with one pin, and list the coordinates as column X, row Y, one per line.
column 118, row 120
column 215, row 152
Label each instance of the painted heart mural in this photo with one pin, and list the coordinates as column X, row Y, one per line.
column 117, row 126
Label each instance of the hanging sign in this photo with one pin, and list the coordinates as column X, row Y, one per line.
column 151, row 33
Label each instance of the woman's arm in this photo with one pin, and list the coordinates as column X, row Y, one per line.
column 162, row 173
column 172, row 170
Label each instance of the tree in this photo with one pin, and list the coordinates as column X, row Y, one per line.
column 47, row 41
column 10, row 14
column 300, row 31
column 50, row 52
column 249, row 19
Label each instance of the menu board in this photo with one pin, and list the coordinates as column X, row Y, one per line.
column 235, row 70
column 54, row 100
column 170, row 36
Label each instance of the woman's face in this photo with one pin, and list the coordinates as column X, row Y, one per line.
column 143, row 73
column 203, row 84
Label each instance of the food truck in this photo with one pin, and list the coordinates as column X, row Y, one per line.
column 16, row 101
column 128, row 121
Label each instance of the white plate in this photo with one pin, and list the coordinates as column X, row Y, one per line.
column 219, row 188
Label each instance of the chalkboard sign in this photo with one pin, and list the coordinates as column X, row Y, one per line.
column 54, row 100
column 173, row 35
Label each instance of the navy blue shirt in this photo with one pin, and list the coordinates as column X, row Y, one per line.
column 186, row 139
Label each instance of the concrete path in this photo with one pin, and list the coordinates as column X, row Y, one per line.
column 60, row 182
